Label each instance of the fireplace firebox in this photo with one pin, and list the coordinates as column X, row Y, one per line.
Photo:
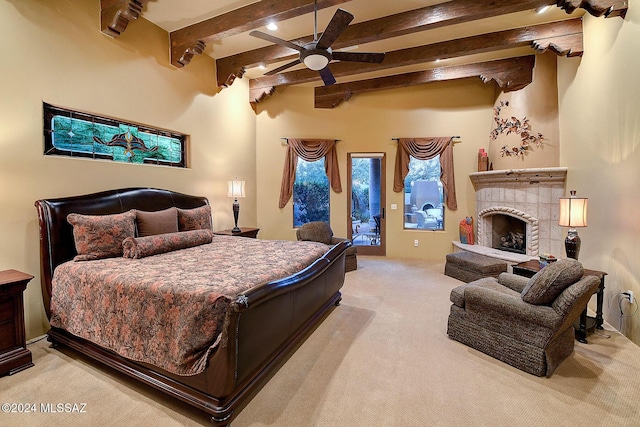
column 508, row 234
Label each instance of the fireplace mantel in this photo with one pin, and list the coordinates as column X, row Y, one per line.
column 530, row 176
column 531, row 195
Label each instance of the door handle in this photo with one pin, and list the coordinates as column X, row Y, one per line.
column 382, row 213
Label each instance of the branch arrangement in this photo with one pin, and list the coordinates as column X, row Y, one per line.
column 521, row 128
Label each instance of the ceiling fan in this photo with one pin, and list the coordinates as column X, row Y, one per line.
column 317, row 54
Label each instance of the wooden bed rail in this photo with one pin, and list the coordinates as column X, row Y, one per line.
column 266, row 291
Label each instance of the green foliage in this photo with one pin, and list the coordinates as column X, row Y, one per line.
column 311, row 202
column 310, row 193
column 360, row 189
column 360, row 203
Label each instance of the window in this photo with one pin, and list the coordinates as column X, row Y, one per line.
column 76, row 134
column 424, row 195
column 310, row 193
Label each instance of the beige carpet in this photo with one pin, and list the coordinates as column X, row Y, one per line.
column 382, row 358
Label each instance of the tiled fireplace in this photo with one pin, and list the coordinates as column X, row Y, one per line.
column 517, row 212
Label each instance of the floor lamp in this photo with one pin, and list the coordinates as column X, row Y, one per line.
column 573, row 213
column 235, row 189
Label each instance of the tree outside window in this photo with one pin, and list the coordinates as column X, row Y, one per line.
column 310, row 193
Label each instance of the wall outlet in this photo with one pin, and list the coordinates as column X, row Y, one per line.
column 415, row 243
column 631, row 297
column 394, row 206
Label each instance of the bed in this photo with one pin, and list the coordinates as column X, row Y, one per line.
column 262, row 325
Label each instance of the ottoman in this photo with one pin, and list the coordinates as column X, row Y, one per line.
column 467, row 266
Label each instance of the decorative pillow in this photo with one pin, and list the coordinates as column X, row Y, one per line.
column 158, row 222
column 195, row 219
column 141, row 247
column 101, row 236
column 545, row 286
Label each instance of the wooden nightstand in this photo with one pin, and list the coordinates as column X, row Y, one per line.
column 14, row 356
column 244, row 232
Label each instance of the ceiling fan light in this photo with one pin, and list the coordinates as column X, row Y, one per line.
column 316, row 62
column 315, row 59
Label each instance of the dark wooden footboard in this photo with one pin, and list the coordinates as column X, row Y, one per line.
column 266, row 323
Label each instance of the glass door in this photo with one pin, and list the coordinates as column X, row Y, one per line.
column 366, row 216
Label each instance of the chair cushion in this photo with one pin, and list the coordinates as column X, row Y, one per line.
column 316, row 231
column 545, row 286
column 457, row 294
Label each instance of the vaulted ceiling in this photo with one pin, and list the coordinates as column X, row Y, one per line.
column 423, row 41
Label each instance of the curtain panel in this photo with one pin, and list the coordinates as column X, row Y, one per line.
column 309, row 150
column 425, row 149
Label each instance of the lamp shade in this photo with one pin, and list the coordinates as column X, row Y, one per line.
column 573, row 211
column 316, row 62
column 235, row 189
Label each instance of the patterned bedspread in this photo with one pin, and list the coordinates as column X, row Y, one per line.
column 169, row 309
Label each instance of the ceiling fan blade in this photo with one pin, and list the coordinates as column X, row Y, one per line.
column 337, row 25
column 375, row 58
column 282, row 68
column 276, row 40
column 327, row 76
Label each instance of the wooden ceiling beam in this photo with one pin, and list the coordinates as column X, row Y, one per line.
column 116, row 14
column 426, row 18
column 510, row 74
column 187, row 41
column 534, row 36
column 597, row 8
column 568, row 45
column 422, row 19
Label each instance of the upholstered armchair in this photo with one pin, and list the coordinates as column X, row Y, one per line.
column 527, row 323
column 319, row 231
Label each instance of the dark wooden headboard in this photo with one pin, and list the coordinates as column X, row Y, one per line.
column 56, row 234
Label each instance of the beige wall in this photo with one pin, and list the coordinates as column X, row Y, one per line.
column 53, row 51
column 539, row 103
column 600, row 133
column 366, row 124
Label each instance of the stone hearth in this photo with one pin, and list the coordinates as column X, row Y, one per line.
column 532, row 196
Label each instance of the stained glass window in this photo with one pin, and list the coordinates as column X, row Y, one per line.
column 77, row 134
